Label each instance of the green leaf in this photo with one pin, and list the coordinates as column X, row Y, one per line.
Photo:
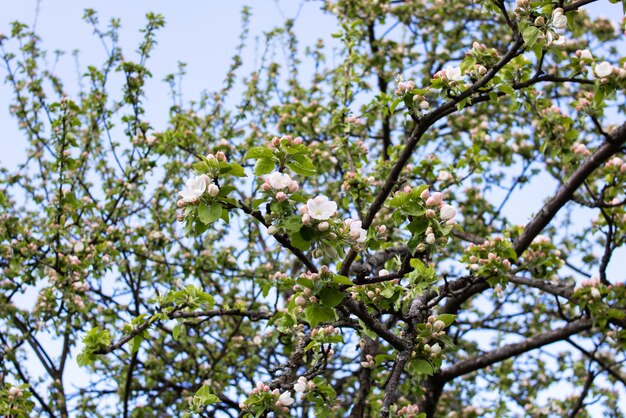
column 394, row 104
column 237, row 170
column 176, row 331
column 299, row 242
column 530, row 35
column 259, row 152
column 339, row 279
column 209, row 214
column 331, row 297
column 204, row 396
column 136, row 342
column 317, row 313
column 264, row 166
column 307, row 233
column 302, row 165
column 422, row 366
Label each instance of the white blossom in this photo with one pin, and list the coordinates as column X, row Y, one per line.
column 447, row 212
column 285, row 398
column 453, row 73
column 359, row 234
column 279, row 181
column 321, row 208
column 301, row 385
column 194, row 187
column 586, row 54
column 604, row 69
column 559, row 21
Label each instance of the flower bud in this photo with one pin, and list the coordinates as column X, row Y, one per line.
column 213, row 190
column 438, row 325
column 220, row 156
column 272, row 230
column 293, row 187
column 281, row 196
column 323, row 226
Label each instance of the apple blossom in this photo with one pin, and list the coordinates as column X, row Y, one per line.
column 453, row 73
column 321, row 208
column 194, row 188
column 279, row 181
column 435, row 199
column 301, row 385
column 435, row 349
column 559, row 21
column 603, row 69
column 447, row 212
column 356, row 232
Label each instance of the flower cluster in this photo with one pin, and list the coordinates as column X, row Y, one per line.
column 318, row 213
column 278, row 185
column 262, row 399
column 304, row 385
column 403, row 87
column 451, row 75
column 616, row 163
column 431, row 217
column 592, row 284
column 605, row 69
column 409, row 411
column 478, row 59
column 542, row 257
column 557, row 23
column 490, row 258
column 285, row 140
column 196, row 186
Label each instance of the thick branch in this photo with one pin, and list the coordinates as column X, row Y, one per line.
column 565, row 194
column 512, row 350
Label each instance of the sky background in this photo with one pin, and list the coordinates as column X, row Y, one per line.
column 201, row 33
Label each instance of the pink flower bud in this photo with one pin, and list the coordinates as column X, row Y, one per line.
column 266, row 187
column 306, row 219
column 293, row 187
column 430, row 213
column 425, row 194
column 298, row 140
column 220, row 156
column 281, row 196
